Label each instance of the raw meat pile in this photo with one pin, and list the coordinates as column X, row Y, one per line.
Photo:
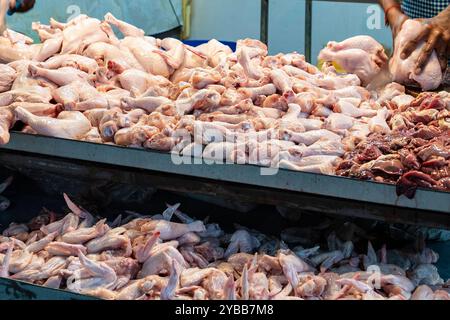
column 85, row 83
column 150, row 257
column 416, row 153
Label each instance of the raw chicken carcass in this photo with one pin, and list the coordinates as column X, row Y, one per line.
column 110, row 241
column 170, row 230
column 403, row 69
column 148, row 55
column 38, row 109
column 7, row 77
column 80, row 33
column 365, row 43
column 73, row 93
column 115, row 58
column 82, row 63
column 136, row 81
column 45, row 32
column 10, row 52
column 49, row 48
column 361, row 55
column 16, row 37
column 175, row 53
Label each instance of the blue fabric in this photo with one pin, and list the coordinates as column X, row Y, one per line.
column 195, row 43
column 18, row 5
column 424, row 8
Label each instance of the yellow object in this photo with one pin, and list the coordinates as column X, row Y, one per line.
column 187, row 11
column 338, row 68
column 444, row 124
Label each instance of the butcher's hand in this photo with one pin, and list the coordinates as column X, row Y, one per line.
column 436, row 34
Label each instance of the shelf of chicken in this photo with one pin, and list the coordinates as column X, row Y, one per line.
column 157, row 104
column 175, row 256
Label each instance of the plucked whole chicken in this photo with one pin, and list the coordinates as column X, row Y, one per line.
column 431, row 76
column 86, row 83
column 154, row 258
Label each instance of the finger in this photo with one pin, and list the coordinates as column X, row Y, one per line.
column 427, row 51
column 412, row 45
column 378, row 61
column 399, row 26
column 447, row 42
column 441, row 49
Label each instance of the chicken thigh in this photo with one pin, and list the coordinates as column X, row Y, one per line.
column 7, row 77
column 361, row 55
column 68, row 125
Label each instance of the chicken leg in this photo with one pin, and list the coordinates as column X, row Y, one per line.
column 61, row 77
column 127, row 29
column 68, row 125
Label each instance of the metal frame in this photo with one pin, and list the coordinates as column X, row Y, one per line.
column 88, row 173
column 265, row 21
column 18, row 290
column 308, row 29
column 320, row 185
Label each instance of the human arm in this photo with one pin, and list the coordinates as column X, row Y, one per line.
column 394, row 15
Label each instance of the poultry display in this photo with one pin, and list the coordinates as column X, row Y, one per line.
column 83, row 82
column 152, row 257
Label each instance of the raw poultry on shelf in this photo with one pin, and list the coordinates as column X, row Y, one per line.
column 83, row 82
column 151, row 257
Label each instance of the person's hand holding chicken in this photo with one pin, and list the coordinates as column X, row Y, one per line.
column 436, row 32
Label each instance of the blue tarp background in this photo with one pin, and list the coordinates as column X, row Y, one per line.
column 154, row 16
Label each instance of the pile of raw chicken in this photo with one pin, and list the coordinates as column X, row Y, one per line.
column 83, row 82
column 150, row 257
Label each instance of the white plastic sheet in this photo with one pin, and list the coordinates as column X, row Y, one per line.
column 153, row 16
